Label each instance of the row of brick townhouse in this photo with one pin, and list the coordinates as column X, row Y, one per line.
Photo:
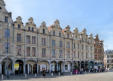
column 29, row 49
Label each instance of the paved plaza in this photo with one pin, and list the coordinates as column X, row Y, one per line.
column 107, row 76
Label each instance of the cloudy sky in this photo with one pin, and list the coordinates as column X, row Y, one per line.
column 94, row 15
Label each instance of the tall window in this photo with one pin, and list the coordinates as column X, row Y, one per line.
column 60, row 43
column 7, row 47
column 32, row 29
column 28, row 39
column 29, row 28
column 68, row 54
column 28, row 51
column 53, row 43
column 19, row 50
column 78, row 46
column 74, row 54
column 82, row 47
column 33, row 39
column 53, row 33
column 86, row 55
column 43, row 41
column 43, row 52
column 68, row 44
column 60, row 54
column 53, row 53
column 67, row 35
column 59, row 34
column 6, row 19
column 78, row 55
column 74, row 45
column 33, row 51
column 19, row 26
column 18, row 37
column 7, row 33
column 43, row 31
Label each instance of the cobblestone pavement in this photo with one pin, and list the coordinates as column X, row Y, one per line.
column 107, row 76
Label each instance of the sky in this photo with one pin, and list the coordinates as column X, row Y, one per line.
column 94, row 15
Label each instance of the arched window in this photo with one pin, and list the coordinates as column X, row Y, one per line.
column 59, row 34
column 43, row 31
column 6, row 19
column 28, row 28
column 54, row 33
column 19, row 26
column 32, row 29
column 67, row 35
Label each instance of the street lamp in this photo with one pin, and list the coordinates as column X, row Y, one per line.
column 7, row 49
column 24, row 55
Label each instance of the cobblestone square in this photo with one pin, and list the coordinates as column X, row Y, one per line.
column 107, row 76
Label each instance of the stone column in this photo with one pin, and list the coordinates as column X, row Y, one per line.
column 24, row 69
column 37, row 68
column 32, row 68
column 13, row 69
column 28, row 68
column 63, row 70
column 0, row 68
column 57, row 67
column 50, row 66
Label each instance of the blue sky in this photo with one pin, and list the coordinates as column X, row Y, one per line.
column 94, row 15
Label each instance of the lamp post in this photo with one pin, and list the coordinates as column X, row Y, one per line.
column 24, row 56
column 7, row 47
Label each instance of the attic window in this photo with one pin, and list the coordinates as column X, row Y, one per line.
column 32, row 29
column 19, row 26
column 43, row 31
column 53, row 33
column 6, row 19
column 59, row 34
column 67, row 35
column 28, row 28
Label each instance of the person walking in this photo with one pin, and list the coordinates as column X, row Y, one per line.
column 43, row 72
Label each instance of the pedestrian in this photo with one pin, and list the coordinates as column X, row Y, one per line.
column 43, row 72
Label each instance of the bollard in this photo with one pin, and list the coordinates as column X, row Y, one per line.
column 52, row 74
column 35, row 75
column 25, row 75
column 2, row 77
column 59, row 73
column 71, row 73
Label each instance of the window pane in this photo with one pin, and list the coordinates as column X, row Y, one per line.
column 7, row 33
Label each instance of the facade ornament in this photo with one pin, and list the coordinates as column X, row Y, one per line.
column 91, row 35
column 57, row 23
column 30, row 20
column 84, row 31
column 43, row 24
column 67, row 27
column 19, row 19
column 76, row 30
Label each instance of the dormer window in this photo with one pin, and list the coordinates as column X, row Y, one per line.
column 43, row 31
column 6, row 19
column 28, row 28
column 53, row 33
column 32, row 29
column 67, row 35
column 59, row 34
column 19, row 26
